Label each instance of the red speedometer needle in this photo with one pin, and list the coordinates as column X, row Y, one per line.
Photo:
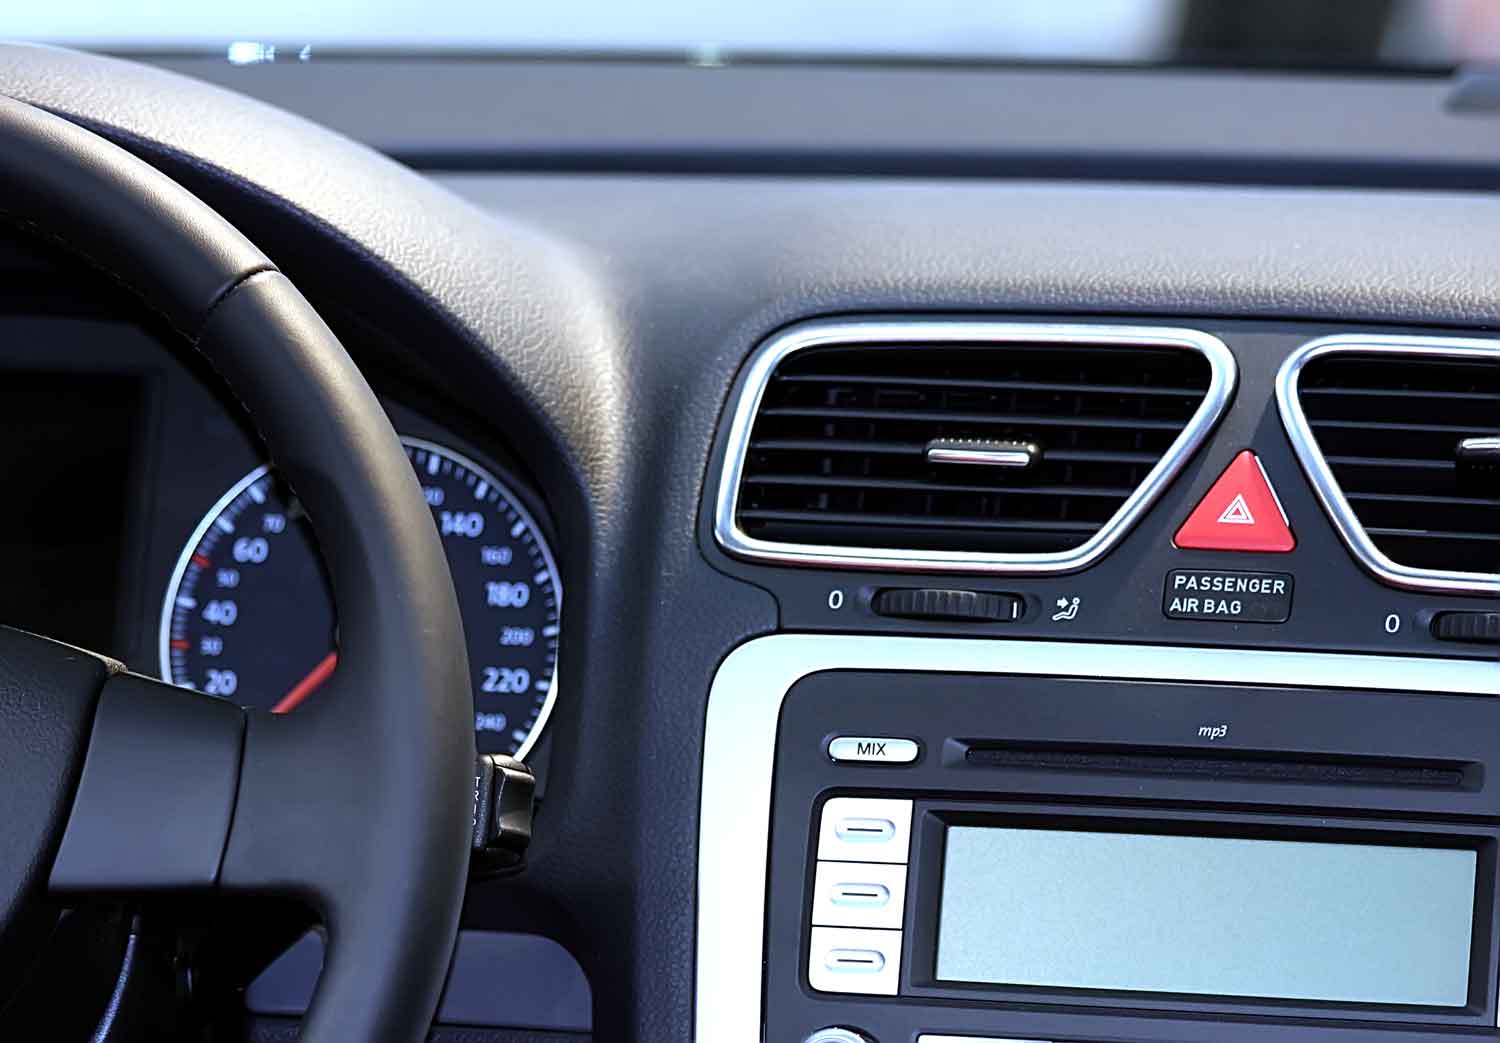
column 308, row 685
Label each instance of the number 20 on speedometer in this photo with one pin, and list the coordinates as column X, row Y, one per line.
column 249, row 615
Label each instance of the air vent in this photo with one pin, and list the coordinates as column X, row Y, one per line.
column 1399, row 439
column 988, row 447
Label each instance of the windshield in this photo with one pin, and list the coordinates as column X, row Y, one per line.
column 1420, row 35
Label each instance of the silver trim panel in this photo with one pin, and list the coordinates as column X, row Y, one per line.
column 739, row 749
column 1223, row 377
column 1320, row 476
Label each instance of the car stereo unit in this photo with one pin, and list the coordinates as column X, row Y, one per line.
column 976, row 857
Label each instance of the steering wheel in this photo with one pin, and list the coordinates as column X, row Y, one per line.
column 359, row 803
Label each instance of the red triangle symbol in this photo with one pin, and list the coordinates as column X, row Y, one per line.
column 1241, row 512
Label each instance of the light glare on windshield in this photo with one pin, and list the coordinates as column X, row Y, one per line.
column 1332, row 33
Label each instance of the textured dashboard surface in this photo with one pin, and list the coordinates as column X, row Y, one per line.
column 598, row 322
column 762, row 251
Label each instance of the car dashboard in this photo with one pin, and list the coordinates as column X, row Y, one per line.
column 997, row 608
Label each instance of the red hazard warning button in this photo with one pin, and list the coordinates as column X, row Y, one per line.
column 1241, row 512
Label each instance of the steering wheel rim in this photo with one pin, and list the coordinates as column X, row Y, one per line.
column 359, row 803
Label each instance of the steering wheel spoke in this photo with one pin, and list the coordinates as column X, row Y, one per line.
column 156, row 794
column 309, row 791
column 182, row 792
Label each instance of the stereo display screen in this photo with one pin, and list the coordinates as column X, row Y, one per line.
column 1216, row 916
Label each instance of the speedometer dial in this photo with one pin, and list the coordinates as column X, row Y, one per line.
column 249, row 615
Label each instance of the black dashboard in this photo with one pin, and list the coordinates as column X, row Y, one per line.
column 1139, row 535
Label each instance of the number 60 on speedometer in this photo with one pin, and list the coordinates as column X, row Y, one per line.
column 249, row 615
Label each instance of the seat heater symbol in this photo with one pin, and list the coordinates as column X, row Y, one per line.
column 1067, row 610
column 1237, row 513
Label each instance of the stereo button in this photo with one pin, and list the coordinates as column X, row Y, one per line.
column 859, row 894
column 861, row 829
column 835, row 1034
column 867, row 963
column 872, row 750
column 855, row 961
column 865, row 830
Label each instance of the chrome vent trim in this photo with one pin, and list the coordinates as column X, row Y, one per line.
column 1222, row 380
column 1320, row 475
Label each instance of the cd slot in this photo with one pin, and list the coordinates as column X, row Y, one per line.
column 1222, row 765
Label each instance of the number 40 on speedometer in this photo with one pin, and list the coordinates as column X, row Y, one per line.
column 249, row 614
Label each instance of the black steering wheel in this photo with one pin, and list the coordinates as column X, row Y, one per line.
column 358, row 804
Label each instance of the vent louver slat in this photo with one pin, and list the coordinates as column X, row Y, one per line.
column 818, row 445
column 834, row 441
column 1379, row 422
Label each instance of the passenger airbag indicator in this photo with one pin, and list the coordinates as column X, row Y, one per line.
column 1230, row 596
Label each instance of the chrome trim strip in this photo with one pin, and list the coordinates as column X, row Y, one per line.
column 1320, row 476
column 1223, row 377
column 739, row 749
column 1014, row 458
column 1016, row 455
column 1485, row 449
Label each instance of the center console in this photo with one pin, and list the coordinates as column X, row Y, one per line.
column 1291, row 846
column 1136, row 684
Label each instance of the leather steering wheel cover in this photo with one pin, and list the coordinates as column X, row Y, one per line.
column 359, row 803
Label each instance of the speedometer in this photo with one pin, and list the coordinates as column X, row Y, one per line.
column 249, row 615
